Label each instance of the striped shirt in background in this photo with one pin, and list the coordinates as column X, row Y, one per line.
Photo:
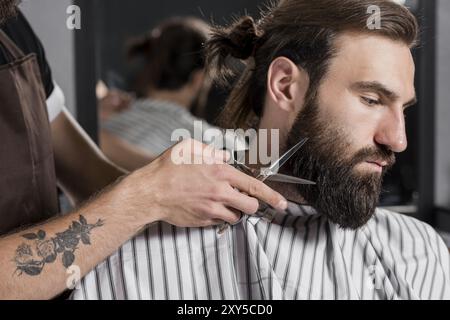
column 149, row 124
column 299, row 255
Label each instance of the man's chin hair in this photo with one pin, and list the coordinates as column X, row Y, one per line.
column 346, row 198
column 350, row 203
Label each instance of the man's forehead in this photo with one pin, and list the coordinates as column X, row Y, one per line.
column 373, row 58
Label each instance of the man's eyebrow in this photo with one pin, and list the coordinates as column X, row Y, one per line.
column 381, row 89
column 410, row 103
column 376, row 87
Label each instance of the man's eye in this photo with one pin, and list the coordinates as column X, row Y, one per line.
column 371, row 102
column 404, row 112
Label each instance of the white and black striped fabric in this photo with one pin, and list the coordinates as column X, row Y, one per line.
column 299, row 255
column 149, row 124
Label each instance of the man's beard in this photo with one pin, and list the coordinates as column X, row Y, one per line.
column 346, row 196
column 8, row 9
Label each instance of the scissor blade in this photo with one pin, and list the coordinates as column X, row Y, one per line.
column 242, row 167
column 288, row 179
column 285, row 157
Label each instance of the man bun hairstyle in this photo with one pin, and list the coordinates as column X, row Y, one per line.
column 236, row 41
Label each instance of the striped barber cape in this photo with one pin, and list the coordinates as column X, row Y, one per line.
column 299, row 255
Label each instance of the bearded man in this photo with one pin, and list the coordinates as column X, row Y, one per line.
column 314, row 69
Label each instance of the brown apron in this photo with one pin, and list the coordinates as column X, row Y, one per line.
column 28, row 191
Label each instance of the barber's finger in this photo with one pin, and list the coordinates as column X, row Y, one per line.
column 242, row 202
column 257, row 189
column 210, row 152
column 199, row 149
column 211, row 222
column 223, row 213
column 219, row 156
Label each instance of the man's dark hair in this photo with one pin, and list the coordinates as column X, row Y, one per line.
column 8, row 9
column 171, row 53
column 301, row 30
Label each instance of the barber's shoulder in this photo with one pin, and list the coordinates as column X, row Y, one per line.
column 22, row 34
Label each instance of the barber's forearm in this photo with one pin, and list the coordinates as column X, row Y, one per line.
column 34, row 262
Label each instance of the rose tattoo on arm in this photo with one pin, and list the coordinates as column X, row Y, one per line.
column 31, row 257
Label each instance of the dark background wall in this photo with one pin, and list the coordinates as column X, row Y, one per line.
column 121, row 20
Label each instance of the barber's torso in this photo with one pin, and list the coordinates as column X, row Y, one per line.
column 27, row 173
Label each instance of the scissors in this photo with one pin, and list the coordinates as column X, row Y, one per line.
column 270, row 173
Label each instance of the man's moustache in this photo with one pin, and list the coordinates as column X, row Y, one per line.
column 375, row 154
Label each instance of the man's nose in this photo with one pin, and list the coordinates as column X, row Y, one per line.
column 391, row 132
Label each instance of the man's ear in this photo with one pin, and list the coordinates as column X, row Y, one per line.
column 286, row 84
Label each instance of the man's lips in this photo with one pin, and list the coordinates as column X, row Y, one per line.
column 380, row 163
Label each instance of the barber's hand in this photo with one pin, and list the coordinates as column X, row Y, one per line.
column 115, row 101
column 195, row 195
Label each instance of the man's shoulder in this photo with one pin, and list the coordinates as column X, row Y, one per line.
column 406, row 226
column 403, row 221
column 19, row 30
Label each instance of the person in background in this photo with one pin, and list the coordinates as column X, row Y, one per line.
column 171, row 80
column 111, row 101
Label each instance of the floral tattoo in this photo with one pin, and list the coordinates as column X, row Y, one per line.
column 31, row 257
